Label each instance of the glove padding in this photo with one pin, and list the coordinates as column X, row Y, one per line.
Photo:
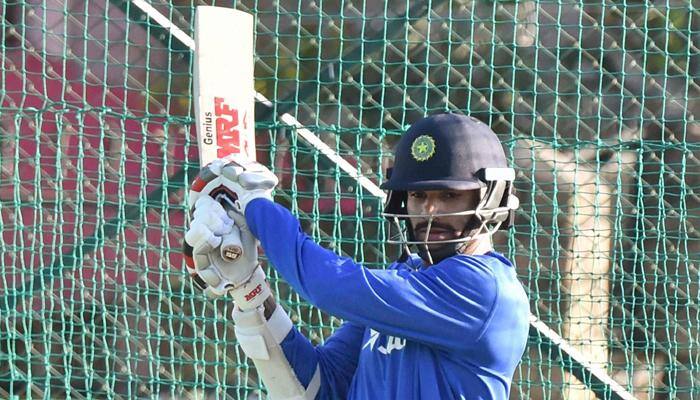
column 233, row 182
column 221, row 254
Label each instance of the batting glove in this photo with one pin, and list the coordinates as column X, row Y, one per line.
column 234, row 183
column 221, row 255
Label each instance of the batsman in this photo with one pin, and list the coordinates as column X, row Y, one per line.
column 447, row 320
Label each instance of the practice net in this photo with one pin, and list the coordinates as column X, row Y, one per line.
column 594, row 101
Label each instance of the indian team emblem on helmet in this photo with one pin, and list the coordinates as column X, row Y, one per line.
column 423, row 148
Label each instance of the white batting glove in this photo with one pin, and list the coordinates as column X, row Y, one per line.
column 234, row 182
column 221, row 255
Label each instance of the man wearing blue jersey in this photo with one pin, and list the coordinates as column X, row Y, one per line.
column 447, row 320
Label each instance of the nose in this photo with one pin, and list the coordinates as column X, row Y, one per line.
column 429, row 206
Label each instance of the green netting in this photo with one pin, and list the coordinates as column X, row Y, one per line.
column 595, row 102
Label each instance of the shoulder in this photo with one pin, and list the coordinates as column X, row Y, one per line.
column 482, row 267
column 481, row 277
column 472, row 269
column 463, row 276
column 476, row 275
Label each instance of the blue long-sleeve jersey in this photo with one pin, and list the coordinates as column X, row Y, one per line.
column 455, row 330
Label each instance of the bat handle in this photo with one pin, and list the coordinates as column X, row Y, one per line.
column 231, row 246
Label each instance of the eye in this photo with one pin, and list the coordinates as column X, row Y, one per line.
column 449, row 195
column 417, row 195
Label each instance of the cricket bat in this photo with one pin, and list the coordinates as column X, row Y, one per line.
column 224, row 91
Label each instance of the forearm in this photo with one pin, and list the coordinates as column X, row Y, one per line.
column 300, row 353
column 335, row 284
column 291, row 252
column 304, row 265
column 326, row 370
column 260, row 333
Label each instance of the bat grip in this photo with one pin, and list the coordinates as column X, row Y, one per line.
column 231, row 244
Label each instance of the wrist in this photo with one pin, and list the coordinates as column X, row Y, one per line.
column 250, row 196
column 253, row 293
column 269, row 305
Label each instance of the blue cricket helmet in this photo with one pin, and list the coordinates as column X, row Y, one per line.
column 457, row 152
column 445, row 151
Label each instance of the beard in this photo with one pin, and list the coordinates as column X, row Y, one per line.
column 440, row 251
column 437, row 252
column 438, row 232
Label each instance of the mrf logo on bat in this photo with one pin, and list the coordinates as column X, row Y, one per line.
column 223, row 127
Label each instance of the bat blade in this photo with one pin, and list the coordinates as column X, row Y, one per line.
column 224, row 87
column 224, row 92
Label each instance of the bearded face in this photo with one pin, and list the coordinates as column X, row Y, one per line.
column 432, row 226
